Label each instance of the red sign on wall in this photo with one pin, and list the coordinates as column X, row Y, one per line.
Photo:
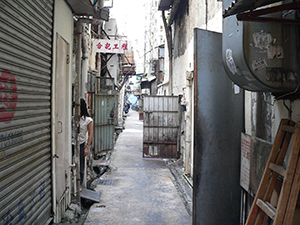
column 112, row 46
column 8, row 96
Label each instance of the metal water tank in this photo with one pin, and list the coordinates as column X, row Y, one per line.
column 262, row 57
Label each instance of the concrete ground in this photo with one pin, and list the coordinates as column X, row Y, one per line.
column 136, row 191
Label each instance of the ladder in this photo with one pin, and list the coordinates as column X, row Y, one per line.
column 283, row 211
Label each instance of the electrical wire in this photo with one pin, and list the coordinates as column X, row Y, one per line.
column 290, row 93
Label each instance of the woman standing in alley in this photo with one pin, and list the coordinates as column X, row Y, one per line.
column 85, row 127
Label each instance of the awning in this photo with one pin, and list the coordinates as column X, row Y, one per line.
column 251, row 12
column 82, row 7
column 146, row 82
column 240, row 6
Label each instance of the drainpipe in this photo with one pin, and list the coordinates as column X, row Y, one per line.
column 80, row 69
column 168, row 30
column 189, row 124
column 79, row 29
column 85, row 57
column 206, row 13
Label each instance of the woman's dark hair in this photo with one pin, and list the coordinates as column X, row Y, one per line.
column 83, row 109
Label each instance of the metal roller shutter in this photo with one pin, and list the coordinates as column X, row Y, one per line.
column 25, row 104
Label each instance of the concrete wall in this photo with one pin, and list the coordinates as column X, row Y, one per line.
column 262, row 112
column 63, row 25
column 193, row 14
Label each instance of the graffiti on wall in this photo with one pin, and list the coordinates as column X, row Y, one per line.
column 8, row 96
column 35, row 196
column 11, row 138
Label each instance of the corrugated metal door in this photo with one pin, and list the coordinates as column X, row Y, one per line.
column 25, row 103
column 161, row 126
column 104, row 114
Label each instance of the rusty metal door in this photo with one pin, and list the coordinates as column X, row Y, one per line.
column 104, row 114
column 161, row 126
column 218, row 125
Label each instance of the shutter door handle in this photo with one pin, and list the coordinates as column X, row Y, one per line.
column 59, row 127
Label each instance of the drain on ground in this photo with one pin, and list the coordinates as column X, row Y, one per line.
column 106, row 182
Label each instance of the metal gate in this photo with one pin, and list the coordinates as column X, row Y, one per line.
column 25, row 104
column 104, row 114
column 161, row 126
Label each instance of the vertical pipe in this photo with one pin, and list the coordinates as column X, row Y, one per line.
column 171, row 70
column 206, row 13
column 189, row 127
column 85, row 59
column 77, row 108
column 168, row 31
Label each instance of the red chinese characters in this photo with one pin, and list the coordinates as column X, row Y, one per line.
column 116, row 46
column 99, row 45
column 107, row 46
column 125, row 46
column 111, row 46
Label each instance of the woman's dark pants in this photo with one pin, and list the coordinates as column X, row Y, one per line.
column 82, row 147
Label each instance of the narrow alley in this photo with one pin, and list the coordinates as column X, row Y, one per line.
column 135, row 190
column 217, row 83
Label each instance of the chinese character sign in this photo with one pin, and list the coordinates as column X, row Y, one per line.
column 111, row 46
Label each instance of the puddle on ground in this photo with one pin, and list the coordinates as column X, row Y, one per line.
column 106, row 182
column 98, row 208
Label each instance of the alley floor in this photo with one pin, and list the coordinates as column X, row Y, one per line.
column 135, row 190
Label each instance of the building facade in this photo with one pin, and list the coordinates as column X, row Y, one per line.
column 261, row 112
column 38, row 75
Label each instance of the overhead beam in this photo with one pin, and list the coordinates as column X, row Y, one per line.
column 256, row 16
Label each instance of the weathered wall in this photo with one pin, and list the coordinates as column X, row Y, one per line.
column 192, row 14
column 263, row 114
